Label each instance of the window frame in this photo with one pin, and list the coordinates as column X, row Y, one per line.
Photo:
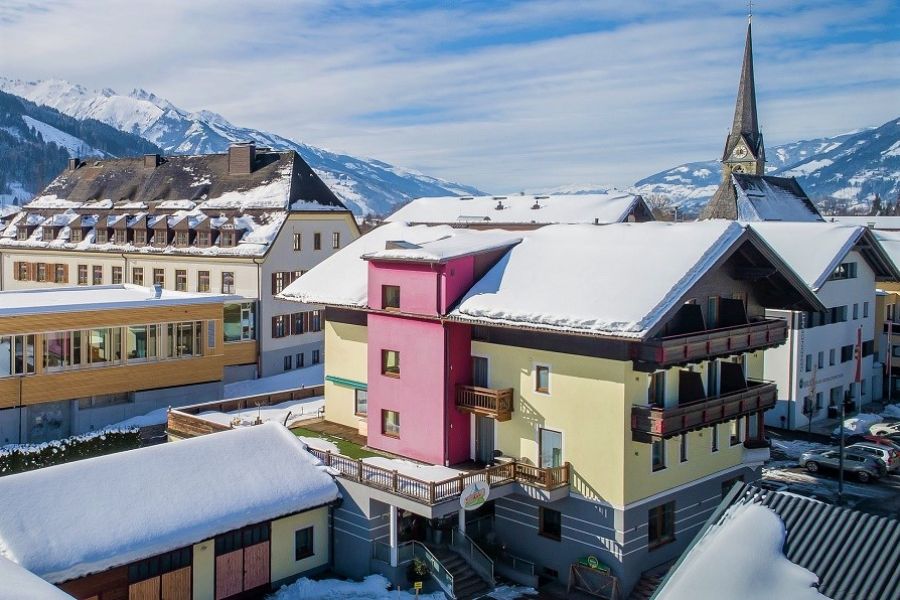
column 309, row 550
column 543, row 531
column 384, row 423
column 390, row 371
column 663, row 516
column 387, row 294
column 335, row 240
column 356, row 403
column 661, row 464
column 538, row 389
column 298, row 241
column 317, row 241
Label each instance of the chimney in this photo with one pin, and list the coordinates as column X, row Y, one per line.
column 240, row 158
column 151, row 161
column 157, row 291
column 74, row 163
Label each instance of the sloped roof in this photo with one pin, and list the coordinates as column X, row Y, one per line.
column 610, row 207
column 19, row 584
column 814, row 250
column 55, row 523
column 851, row 552
column 761, row 198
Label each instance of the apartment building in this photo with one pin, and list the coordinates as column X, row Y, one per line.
column 592, row 389
column 73, row 360
column 244, row 223
column 830, row 357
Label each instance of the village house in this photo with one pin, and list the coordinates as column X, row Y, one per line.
column 244, row 223
column 215, row 517
column 605, row 426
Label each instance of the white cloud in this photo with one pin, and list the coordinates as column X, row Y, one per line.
column 650, row 86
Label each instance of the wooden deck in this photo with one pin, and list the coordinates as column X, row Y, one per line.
column 342, row 432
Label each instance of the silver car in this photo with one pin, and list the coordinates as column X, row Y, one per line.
column 863, row 466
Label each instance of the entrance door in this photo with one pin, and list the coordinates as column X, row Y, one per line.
column 484, row 439
column 242, row 561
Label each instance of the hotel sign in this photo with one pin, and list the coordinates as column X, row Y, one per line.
column 474, row 495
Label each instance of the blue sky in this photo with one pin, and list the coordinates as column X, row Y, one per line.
column 504, row 95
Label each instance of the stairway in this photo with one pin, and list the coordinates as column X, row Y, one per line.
column 467, row 584
column 645, row 586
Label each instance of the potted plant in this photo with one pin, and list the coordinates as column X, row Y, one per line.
column 417, row 570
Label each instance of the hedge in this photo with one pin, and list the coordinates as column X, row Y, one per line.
column 18, row 458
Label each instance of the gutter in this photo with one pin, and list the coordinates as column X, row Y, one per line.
column 259, row 314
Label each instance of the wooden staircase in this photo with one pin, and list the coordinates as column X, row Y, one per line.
column 467, row 584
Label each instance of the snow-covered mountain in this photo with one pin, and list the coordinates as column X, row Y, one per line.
column 846, row 170
column 365, row 185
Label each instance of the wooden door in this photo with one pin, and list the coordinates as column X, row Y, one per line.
column 229, row 574
column 176, row 585
column 144, row 590
column 256, row 565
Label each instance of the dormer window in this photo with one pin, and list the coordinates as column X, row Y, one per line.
column 159, row 239
column 22, row 234
column 203, row 239
column 76, row 235
column 181, row 238
column 101, row 235
column 48, row 234
column 140, row 237
column 121, row 236
column 226, row 239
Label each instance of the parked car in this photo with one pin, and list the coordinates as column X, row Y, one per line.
column 883, row 440
column 890, row 456
column 863, row 466
column 884, row 428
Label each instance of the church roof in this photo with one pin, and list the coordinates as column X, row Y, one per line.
column 761, row 198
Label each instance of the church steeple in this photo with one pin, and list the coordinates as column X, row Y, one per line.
column 744, row 151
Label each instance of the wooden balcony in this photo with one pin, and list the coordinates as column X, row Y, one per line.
column 650, row 423
column 487, row 402
column 702, row 345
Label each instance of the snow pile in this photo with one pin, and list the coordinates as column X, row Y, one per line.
column 18, row 584
column 290, row 380
column 373, row 587
column 742, row 555
column 155, row 417
column 859, row 424
column 891, row 411
column 290, row 411
column 418, row 471
column 512, row 592
column 214, row 483
column 794, row 448
column 320, row 444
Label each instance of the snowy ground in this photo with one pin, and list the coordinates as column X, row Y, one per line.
column 412, row 469
column 374, row 587
column 156, row 417
column 291, row 380
column 293, row 411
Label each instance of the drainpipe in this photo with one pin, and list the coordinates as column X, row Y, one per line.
column 439, row 274
column 259, row 317
column 125, row 276
column 794, row 342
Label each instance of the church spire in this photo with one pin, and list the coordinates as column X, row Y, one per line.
column 745, row 119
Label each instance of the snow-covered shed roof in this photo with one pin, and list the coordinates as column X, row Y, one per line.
column 814, row 250
column 766, row 544
column 213, row 484
column 98, row 297
column 17, row 583
column 761, row 198
column 872, row 222
column 609, row 207
column 341, row 279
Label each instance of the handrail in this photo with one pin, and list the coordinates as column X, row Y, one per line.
column 472, row 553
column 437, row 569
column 691, row 406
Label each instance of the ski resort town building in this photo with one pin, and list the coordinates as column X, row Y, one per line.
column 604, row 425
column 74, row 360
column 245, row 223
column 232, row 515
column 524, row 211
column 830, row 357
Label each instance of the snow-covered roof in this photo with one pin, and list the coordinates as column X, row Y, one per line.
column 872, row 222
column 17, row 583
column 457, row 244
column 341, row 279
column 814, row 250
column 98, row 297
column 213, row 484
column 760, row 198
column 618, row 279
column 608, row 207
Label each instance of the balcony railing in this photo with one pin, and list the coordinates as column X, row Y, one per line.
column 497, row 404
column 649, row 423
column 434, row 492
column 701, row 345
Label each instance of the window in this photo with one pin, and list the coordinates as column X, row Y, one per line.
column 181, row 238
column 140, row 237
column 137, row 275
column 278, row 326
column 715, row 438
column 42, row 271
column 820, row 400
column 865, row 310
column 656, row 393
column 808, row 363
column 202, row 281
column 390, row 423
column 82, row 275
column 22, row 233
column 121, row 236
column 315, row 321
column 846, row 353
column 661, row 525
column 297, row 320
column 116, row 275
column 855, row 311
column 658, row 455
column 102, row 234
column 159, row 277
column 288, row 362
column 60, row 274
column 76, row 235
column 820, row 363
column 303, row 543
column 868, row 348
column 204, row 239
column 227, row 239
column 336, row 240
column 22, row 272
column 317, row 241
column 361, row 402
column 16, row 355
column 390, row 363
column 831, row 359
column 142, row 342
column 683, row 450
column 181, row 280
column 104, row 345
column 298, row 242
column 300, row 359
column 550, row 448
column 184, row 339
column 542, row 379
column 735, row 437
column 58, row 351
column 315, row 357
column 838, row 314
column 550, row 523
column 227, row 282
column 240, row 322
column 277, row 282
column 390, row 297
column 845, row 270
column 97, row 276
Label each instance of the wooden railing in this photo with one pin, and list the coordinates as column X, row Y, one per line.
column 434, row 492
column 488, row 402
column 713, row 342
column 649, row 423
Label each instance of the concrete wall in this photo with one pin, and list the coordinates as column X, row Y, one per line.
column 284, row 568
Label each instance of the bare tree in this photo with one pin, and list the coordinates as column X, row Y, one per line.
column 662, row 206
